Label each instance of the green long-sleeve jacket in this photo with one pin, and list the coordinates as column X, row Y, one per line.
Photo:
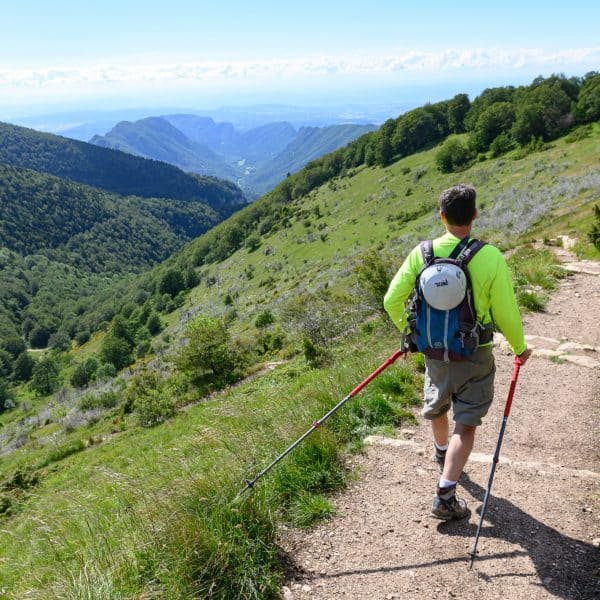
column 493, row 292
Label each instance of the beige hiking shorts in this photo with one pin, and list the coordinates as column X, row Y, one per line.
column 467, row 385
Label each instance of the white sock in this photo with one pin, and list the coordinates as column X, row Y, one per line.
column 441, row 448
column 444, row 483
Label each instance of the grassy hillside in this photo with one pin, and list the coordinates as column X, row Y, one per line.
column 124, row 486
column 111, row 170
column 87, row 509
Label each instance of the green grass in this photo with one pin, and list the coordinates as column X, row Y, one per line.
column 150, row 512
column 152, row 509
column 535, row 274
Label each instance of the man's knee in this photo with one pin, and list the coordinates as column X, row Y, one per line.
column 464, row 429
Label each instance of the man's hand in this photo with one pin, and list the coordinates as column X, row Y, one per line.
column 525, row 355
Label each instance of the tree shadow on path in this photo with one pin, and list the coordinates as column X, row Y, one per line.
column 566, row 566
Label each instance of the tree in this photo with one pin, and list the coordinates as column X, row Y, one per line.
column 494, row 120
column 45, row 376
column 172, row 283
column 587, row 108
column 6, row 363
column 209, row 348
column 154, row 323
column 452, row 155
column 14, row 344
column 7, row 396
column 23, row 367
column 84, row 373
column 116, row 351
column 457, row 109
column 39, row 336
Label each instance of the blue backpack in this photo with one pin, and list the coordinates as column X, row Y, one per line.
column 452, row 334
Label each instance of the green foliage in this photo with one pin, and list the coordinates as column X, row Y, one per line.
column 307, row 509
column 7, row 396
column 116, row 351
column 501, row 144
column 172, row 282
column 587, row 108
column 453, row 155
column 493, row 121
column 118, row 172
column 154, row 324
column 23, row 367
column 594, row 233
column 264, row 319
column 152, row 402
column 84, row 372
column 104, row 400
column 45, row 377
column 316, row 355
column 374, row 275
column 535, row 272
column 63, row 452
column 210, row 349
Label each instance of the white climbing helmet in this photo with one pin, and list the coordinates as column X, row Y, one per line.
column 443, row 285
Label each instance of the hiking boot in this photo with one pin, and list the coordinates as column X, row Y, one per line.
column 440, row 458
column 447, row 505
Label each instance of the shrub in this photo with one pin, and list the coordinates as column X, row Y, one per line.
column 105, row 400
column 45, row 377
column 82, row 337
column 264, row 319
column 151, row 401
column 594, row 233
column 209, row 349
column 452, row 156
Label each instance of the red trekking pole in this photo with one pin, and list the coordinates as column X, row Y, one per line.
column 511, row 393
column 392, row 359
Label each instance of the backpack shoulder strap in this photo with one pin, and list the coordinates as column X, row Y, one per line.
column 427, row 251
column 471, row 250
column 459, row 248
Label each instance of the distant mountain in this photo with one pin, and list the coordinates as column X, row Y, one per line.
column 108, row 169
column 256, row 159
column 157, row 139
column 309, row 144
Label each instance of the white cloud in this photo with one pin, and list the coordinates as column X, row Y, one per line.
column 392, row 65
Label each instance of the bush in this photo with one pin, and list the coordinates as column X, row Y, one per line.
column 45, row 377
column 209, row 349
column 264, row 319
column 116, row 351
column 82, row 337
column 7, row 396
column 452, row 156
column 151, row 401
column 594, row 233
column 103, row 400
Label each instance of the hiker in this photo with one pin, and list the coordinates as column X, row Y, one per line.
column 464, row 382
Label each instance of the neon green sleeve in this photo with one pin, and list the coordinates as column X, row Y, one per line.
column 401, row 288
column 504, row 309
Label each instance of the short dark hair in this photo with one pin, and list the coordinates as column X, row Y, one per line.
column 458, row 204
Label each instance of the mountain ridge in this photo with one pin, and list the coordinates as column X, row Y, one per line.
column 256, row 159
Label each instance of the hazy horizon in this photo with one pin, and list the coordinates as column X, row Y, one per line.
column 67, row 56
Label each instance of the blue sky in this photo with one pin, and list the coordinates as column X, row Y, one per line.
column 124, row 53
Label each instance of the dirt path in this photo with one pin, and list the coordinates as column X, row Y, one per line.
column 542, row 528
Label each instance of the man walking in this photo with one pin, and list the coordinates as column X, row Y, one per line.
column 466, row 385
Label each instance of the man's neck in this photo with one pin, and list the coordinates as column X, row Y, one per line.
column 459, row 231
